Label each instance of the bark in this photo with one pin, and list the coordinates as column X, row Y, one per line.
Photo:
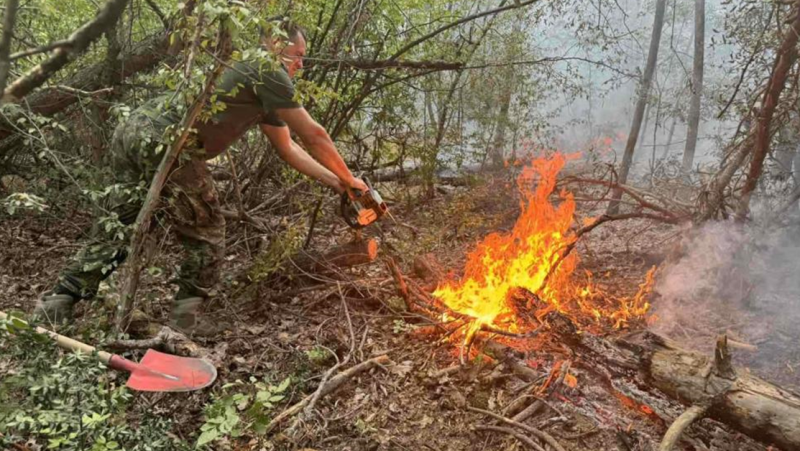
column 354, row 253
column 644, row 92
column 50, row 101
column 497, row 152
column 786, row 58
column 643, row 132
column 665, row 152
column 79, row 42
column 746, row 403
column 9, row 19
column 697, row 84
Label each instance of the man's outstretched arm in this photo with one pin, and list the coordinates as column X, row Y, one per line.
column 320, row 145
column 298, row 158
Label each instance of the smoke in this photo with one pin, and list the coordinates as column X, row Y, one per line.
column 743, row 281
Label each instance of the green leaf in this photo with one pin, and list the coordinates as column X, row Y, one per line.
column 283, row 385
column 207, row 437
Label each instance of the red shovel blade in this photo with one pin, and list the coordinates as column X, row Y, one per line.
column 164, row 372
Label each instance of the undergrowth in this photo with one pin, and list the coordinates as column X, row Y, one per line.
column 50, row 399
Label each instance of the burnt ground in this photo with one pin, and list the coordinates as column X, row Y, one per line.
column 284, row 326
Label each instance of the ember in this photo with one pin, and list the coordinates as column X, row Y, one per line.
column 534, row 257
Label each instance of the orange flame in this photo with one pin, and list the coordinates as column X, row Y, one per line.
column 525, row 257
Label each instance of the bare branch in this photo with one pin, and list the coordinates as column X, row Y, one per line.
column 384, row 64
column 41, row 49
column 444, row 28
column 79, row 40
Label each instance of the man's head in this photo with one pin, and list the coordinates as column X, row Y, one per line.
column 290, row 49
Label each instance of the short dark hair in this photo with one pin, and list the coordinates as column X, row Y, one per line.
column 291, row 28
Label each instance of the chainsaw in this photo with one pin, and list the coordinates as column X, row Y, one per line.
column 364, row 208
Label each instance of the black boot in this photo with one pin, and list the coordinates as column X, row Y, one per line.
column 185, row 318
column 54, row 308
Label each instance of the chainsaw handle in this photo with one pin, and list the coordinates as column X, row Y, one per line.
column 343, row 204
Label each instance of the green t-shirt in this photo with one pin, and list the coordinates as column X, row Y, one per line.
column 251, row 94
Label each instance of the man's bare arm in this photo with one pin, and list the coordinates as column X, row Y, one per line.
column 298, row 158
column 319, row 143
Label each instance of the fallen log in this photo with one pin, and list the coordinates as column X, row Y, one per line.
column 354, row 253
column 710, row 387
column 748, row 404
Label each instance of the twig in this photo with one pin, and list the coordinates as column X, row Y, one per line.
column 158, row 13
column 80, row 92
column 529, row 411
column 511, row 432
column 402, row 288
column 544, row 436
column 237, row 189
column 332, row 385
column 679, row 425
column 173, row 342
column 42, row 49
column 310, row 407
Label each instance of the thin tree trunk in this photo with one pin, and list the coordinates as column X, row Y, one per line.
column 643, row 131
column 137, row 258
column 496, row 151
column 697, row 85
column 9, row 19
column 787, row 56
column 644, row 92
column 665, row 153
column 509, row 83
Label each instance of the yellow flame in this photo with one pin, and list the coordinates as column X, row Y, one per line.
column 523, row 258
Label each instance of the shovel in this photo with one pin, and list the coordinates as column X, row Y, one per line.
column 156, row 371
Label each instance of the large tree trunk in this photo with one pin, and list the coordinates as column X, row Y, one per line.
column 78, row 42
column 644, row 92
column 787, row 56
column 49, row 101
column 697, row 84
column 734, row 397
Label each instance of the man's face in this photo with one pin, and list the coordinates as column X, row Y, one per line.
column 293, row 53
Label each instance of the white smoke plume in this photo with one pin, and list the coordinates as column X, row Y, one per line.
column 743, row 281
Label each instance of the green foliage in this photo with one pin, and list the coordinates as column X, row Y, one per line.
column 279, row 250
column 23, row 201
column 318, row 355
column 235, row 413
column 68, row 401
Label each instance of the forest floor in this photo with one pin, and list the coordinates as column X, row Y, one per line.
column 280, row 328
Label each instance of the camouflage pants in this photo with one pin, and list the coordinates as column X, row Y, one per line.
column 189, row 200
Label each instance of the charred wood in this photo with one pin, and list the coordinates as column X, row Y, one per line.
column 354, row 253
column 748, row 404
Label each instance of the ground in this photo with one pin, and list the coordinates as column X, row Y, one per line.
column 288, row 327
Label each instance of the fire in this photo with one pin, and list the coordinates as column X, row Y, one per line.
column 531, row 257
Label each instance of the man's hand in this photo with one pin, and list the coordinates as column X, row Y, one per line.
column 354, row 184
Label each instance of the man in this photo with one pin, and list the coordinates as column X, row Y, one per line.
column 255, row 93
